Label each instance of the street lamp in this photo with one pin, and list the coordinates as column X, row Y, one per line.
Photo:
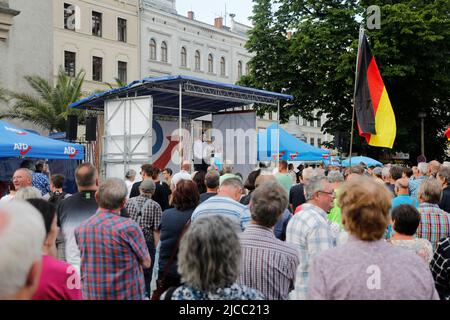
column 422, row 116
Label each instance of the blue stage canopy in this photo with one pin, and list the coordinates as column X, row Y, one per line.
column 16, row 142
column 291, row 148
column 199, row 97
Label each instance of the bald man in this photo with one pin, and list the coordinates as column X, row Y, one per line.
column 182, row 175
column 402, row 192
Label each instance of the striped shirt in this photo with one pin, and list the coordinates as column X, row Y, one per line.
column 268, row 264
column 311, row 233
column 434, row 223
column 226, row 206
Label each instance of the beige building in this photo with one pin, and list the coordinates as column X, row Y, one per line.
column 98, row 36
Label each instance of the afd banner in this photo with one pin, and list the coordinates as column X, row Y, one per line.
column 165, row 148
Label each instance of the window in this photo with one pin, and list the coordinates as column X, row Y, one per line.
column 183, row 57
column 97, row 69
column 297, row 120
column 305, row 123
column 319, row 142
column 69, row 63
column 222, row 66
column 270, row 115
column 239, row 69
column 311, row 123
column 311, row 141
column 197, row 60
column 122, row 71
column 69, row 16
column 96, row 24
column 164, row 51
column 319, row 122
column 210, row 63
column 247, row 69
column 152, row 49
column 122, row 29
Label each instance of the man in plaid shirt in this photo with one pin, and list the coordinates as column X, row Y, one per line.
column 434, row 222
column 113, row 249
column 310, row 231
column 147, row 213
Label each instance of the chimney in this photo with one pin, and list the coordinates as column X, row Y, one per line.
column 289, row 35
column 190, row 15
column 218, row 22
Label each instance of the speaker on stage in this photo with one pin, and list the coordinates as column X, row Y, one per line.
column 71, row 127
column 91, row 128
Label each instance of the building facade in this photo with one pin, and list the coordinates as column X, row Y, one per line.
column 99, row 37
column 176, row 44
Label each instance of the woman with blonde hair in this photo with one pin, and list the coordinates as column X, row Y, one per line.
column 367, row 267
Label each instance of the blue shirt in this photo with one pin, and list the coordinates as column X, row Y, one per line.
column 404, row 199
column 234, row 210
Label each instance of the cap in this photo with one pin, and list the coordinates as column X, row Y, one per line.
column 147, row 186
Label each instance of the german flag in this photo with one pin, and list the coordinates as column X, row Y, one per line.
column 376, row 119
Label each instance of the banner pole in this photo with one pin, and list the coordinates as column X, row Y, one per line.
column 361, row 35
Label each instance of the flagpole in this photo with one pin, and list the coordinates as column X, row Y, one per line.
column 361, row 35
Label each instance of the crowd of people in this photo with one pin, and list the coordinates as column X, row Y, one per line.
column 318, row 233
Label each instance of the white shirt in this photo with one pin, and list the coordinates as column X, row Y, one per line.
column 129, row 186
column 182, row 175
column 6, row 198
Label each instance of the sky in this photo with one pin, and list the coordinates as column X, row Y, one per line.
column 207, row 10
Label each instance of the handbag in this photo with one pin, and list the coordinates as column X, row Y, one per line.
column 161, row 286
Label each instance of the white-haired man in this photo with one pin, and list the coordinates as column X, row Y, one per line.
column 310, row 230
column 113, row 249
column 22, row 233
column 226, row 203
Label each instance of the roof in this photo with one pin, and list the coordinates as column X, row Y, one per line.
column 16, row 142
column 199, row 97
column 291, row 148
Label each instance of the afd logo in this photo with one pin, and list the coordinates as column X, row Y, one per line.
column 22, row 147
column 71, row 151
column 18, row 132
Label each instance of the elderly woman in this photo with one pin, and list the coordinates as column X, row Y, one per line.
column 173, row 222
column 406, row 219
column 209, row 263
column 367, row 267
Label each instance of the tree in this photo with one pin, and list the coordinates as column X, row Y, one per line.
column 50, row 108
column 318, row 67
column 412, row 49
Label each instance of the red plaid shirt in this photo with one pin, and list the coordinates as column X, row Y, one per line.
column 112, row 249
column 434, row 223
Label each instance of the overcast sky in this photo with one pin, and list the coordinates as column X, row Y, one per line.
column 207, row 10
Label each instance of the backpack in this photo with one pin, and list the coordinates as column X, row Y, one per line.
column 56, row 197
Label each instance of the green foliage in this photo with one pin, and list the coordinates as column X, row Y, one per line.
column 317, row 64
column 50, row 107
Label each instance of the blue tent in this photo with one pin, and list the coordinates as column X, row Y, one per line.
column 356, row 160
column 291, row 148
column 15, row 142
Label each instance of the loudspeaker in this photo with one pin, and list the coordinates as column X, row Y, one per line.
column 91, row 128
column 71, row 127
